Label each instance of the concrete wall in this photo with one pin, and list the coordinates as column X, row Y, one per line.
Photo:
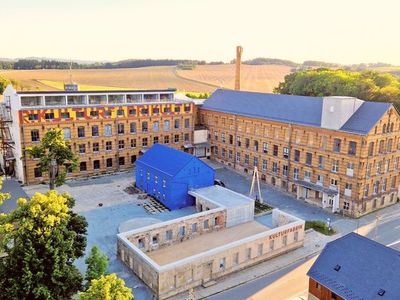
column 216, row 221
column 179, row 276
column 337, row 110
column 200, row 136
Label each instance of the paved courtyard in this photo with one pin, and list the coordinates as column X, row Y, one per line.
column 119, row 208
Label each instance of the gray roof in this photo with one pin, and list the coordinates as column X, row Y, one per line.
column 221, row 196
column 365, row 268
column 302, row 110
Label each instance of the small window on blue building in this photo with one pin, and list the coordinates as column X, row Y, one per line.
column 141, row 172
column 155, row 179
column 148, row 175
column 164, row 184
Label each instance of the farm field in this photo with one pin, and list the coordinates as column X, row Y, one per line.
column 134, row 78
column 204, row 78
column 257, row 78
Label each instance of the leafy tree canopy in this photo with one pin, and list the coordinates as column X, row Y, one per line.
column 54, row 149
column 369, row 85
column 97, row 264
column 108, row 287
column 3, row 84
column 41, row 239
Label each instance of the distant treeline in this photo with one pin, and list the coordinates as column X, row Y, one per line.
column 34, row 64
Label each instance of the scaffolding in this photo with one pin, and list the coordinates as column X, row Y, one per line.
column 7, row 144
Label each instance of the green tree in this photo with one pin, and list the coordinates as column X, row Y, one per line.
column 55, row 156
column 368, row 85
column 108, row 287
column 41, row 239
column 3, row 84
column 97, row 264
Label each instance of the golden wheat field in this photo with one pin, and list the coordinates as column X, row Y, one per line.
column 202, row 79
column 257, row 78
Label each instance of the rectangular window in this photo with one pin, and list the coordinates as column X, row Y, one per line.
column 156, row 126
column 67, row 133
column 297, row 155
column 295, row 173
column 308, row 159
column 260, row 249
column 120, row 113
column 206, row 224
column 133, row 159
column 176, row 138
column 176, row 124
column 194, row 227
column 285, row 170
column 271, row 245
column 144, row 142
column 145, row 126
column 120, row 128
column 96, row 164
column 222, row 263
column 371, row 149
column 133, row 143
column 166, row 125
column 49, row 116
column 132, row 127
column 109, row 162
column 107, row 113
column 95, row 130
column 177, row 109
column 265, row 148
column 337, row 145
column 248, row 253
column 255, row 162
column 156, row 110
column 285, row 152
column 155, row 140
column 37, row 172
column 166, row 139
column 187, row 123
column 64, row 115
column 81, row 132
column 35, row 135
column 108, row 130
column 264, row 164
column 307, row 175
column 274, row 167
column 182, row 231
column 80, row 114
column 246, row 159
column 82, row 166
column 121, row 161
column 144, row 111
column 121, row 145
column 352, row 148
column 94, row 113
column 321, row 162
column 82, row 148
column 275, row 151
column 132, row 112
column 335, row 166
column 95, row 147
column 168, row 235
column 33, row 117
column 284, row 240
column 108, row 146
column 236, row 258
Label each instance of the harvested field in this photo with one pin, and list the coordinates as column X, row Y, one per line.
column 135, row 78
column 204, row 78
column 257, row 78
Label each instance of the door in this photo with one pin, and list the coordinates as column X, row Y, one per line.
column 207, row 271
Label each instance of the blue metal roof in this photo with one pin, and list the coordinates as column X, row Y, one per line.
column 365, row 267
column 365, row 118
column 165, row 159
column 302, row 110
column 284, row 108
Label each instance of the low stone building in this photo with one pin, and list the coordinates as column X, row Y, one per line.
column 222, row 237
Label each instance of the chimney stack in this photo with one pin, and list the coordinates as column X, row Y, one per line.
column 239, row 51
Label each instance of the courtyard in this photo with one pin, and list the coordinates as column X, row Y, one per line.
column 106, row 206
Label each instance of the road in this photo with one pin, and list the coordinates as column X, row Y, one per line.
column 292, row 282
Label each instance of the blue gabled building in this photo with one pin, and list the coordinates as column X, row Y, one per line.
column 168, row 174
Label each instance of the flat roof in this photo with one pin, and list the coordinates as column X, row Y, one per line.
column 221, row 196
column 205, row 242
column 94, row 92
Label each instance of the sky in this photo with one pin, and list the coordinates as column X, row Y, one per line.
column 342, row 31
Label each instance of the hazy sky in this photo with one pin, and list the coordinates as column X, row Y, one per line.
column 345, row 31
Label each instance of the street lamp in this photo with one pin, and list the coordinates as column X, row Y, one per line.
column 328, row 222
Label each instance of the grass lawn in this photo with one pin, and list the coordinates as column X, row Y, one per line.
column 261, row 207
column 320, row 226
